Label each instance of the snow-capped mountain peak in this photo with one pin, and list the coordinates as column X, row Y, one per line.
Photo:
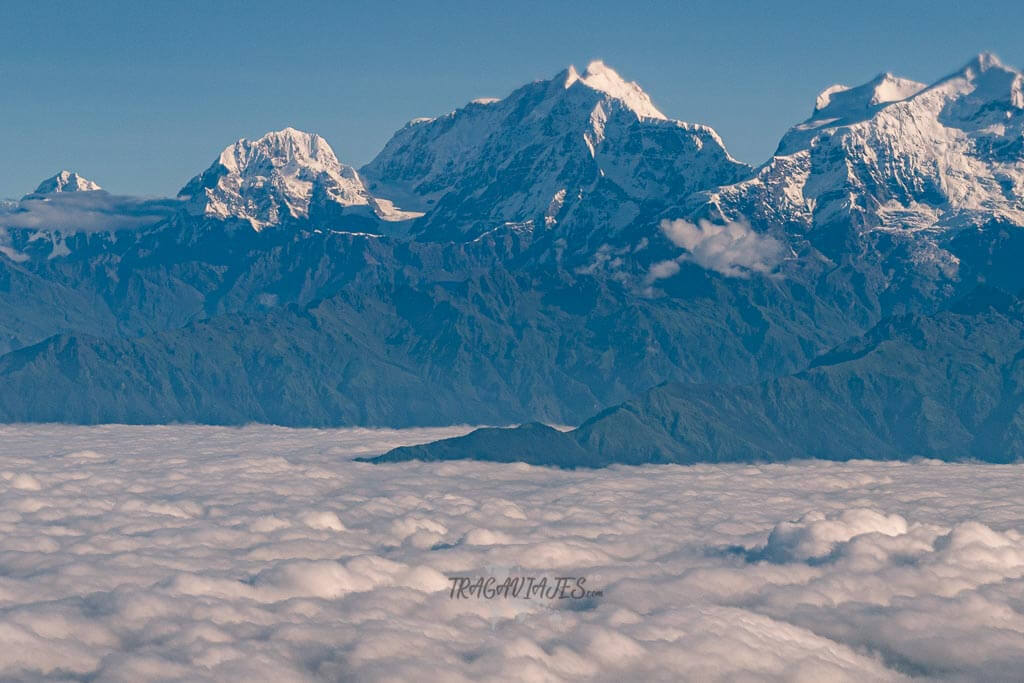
column 280, row 177
column 897, row 157
column 983, row 62
column 840, row 105
column 290, row 149
column 603, row 78
column 581, row 150
column 983, row 92
column 840, row 101
column 66, row 181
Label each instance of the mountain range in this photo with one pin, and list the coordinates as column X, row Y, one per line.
column 552, row 256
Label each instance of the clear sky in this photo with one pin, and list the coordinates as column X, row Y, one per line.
column 140, row 96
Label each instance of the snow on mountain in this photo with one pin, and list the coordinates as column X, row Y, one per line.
column 66, row 181
column 590, row 148
column 284, row 175
column 66, row 212
column 602, row 78
column 588, row 155
column 842, row 105
column 895, row 155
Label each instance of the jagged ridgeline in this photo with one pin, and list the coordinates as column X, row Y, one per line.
column 546, row 257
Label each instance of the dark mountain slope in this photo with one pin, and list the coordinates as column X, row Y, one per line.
column 947, row 386
column 362, row 327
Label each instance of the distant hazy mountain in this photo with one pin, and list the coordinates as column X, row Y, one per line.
column 537, row 257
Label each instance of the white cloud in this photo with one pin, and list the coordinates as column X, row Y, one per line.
column 732, row 249
column 814, row 536
column 662, row 270
column 264, row 553
column 96, row 211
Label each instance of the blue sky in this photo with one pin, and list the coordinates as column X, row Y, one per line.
column 141, row 96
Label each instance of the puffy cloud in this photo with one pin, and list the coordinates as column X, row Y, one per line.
column 662, row 270
column 732, row 249
column 268, row 553
column 96, row 211
column 815, row 536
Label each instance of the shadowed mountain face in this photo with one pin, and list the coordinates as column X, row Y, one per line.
column 948, row 386
column 350, row 329
column 539, row 257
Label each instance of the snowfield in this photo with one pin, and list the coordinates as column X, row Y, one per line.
column 264, row 553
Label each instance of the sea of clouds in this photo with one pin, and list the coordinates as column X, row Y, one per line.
column 264, row 553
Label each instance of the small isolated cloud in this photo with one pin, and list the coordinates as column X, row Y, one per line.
column 605, row 259
column 96, row 211
column 733, row 249
column 662, row 270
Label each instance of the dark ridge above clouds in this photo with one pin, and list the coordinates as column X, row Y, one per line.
column 947, row 386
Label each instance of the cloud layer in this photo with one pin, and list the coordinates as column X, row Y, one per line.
column 96, row 211
column 733, row 249
column 263, row 553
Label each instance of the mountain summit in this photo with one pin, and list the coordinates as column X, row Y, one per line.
column 283, row 176
column 842, row 105
column 569, row 154
column 895, row 158
column 66, row 181
column 603, row 78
